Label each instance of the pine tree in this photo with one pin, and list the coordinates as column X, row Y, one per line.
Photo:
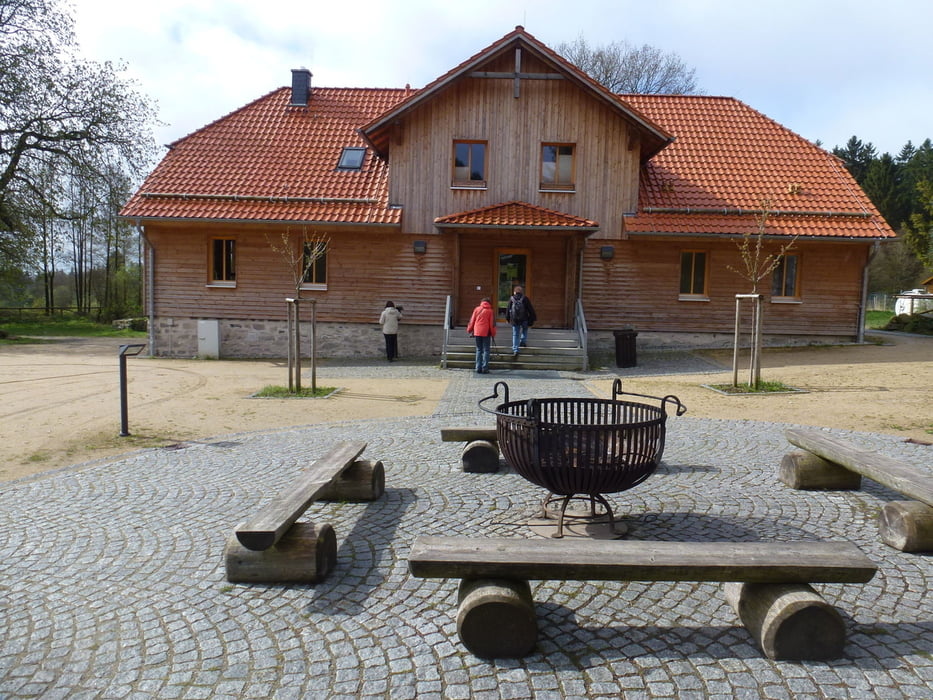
column 857, row 157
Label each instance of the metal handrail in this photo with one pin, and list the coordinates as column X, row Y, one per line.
column 446, row 332
column 579, row 324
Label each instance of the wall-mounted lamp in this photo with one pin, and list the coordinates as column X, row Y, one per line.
column 420, row 247
column 607, row 252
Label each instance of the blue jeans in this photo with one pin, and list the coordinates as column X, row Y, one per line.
column 519, row 336
column 483, row 344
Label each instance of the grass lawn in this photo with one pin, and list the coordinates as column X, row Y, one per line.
column 60, row 326
column 878, row 319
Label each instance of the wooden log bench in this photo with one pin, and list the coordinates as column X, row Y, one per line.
column 272, row 547
column 766, row 582
column 827, row 462
column 480, row 453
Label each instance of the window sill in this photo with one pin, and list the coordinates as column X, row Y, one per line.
column 313, row 287
column 221, row 285
column 465, row 186
column 786, row 300
column 692, row 297
column 554, row 189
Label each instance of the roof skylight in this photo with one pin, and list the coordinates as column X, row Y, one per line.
column 351, row 159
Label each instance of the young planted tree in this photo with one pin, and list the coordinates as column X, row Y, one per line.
column 759, row 261
column 304, row 254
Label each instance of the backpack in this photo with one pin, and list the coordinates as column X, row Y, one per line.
column 519, row 310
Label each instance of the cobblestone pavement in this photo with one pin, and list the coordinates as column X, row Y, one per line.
column 112, row 582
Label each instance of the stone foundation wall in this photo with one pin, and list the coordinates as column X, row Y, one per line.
column 178, row 337
column 602, row 343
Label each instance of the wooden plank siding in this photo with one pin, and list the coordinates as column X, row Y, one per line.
column 484, row 109
column 364, row 270
column 643, row 279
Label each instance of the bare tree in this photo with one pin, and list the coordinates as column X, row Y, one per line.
column 56, row 106
column 301, row 252
column 624, row 68
column 758, row 262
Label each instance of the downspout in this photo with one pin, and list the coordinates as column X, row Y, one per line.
column 872, row 252
column 150, row 289
column 580, row 251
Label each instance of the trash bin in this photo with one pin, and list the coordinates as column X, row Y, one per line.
column 625, row 347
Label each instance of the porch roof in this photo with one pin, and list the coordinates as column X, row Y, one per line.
column 516, row 215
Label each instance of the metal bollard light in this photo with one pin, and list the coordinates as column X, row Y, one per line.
column 126, row 351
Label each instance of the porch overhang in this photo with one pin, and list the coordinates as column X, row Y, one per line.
column 516, row 216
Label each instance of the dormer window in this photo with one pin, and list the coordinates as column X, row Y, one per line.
column 351, row 159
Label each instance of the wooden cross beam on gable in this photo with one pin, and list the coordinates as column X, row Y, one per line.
column 517, row 76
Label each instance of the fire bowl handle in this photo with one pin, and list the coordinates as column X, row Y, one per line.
column 495, row 395
column 617, row 392
column 681, row 409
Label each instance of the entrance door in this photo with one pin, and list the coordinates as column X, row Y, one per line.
column 512, row 268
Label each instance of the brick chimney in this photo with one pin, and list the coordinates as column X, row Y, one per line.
column 301, row 87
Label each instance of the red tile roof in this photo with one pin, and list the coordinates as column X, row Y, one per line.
column 727, row 159
column 515, row 215
column 269, row 161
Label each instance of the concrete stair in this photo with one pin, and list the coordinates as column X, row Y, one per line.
column 548, row 348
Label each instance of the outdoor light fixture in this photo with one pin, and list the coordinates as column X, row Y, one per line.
column 421, row 247
column 607, row 252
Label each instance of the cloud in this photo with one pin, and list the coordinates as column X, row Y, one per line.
column 826, row 70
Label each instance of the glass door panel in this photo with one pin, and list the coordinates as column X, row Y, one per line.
column 511, row 269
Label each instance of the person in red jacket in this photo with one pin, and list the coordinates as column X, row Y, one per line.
column 482, row 327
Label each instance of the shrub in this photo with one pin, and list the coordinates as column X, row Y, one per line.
column 911, row 323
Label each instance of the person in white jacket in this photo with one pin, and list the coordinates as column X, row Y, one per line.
column 389, row 322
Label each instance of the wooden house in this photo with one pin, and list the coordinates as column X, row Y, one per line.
column 514, row 166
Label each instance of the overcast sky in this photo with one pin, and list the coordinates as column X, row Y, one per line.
column 827, row 69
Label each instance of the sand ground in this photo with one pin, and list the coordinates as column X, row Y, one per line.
column 60, row 400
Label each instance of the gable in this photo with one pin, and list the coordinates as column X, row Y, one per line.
column 518, row 57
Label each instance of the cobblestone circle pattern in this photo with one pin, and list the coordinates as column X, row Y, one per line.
column 113, row 586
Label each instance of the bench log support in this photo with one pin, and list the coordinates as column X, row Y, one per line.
column 790, row 621
column 772, row 596
column 307, row 553
column 805, row 471
column 496, row 618
column 907, row 526
column 364, row 480
column 481, row 453
column 904, row 525
column 480, row 457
